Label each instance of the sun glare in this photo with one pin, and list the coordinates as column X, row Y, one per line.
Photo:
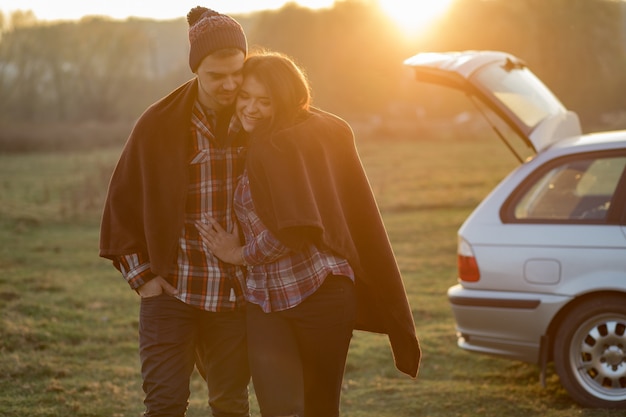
column 415, row 15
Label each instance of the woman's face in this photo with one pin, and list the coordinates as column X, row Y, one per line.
column 253, row 104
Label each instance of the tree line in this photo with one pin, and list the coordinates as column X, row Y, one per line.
column 109, row 70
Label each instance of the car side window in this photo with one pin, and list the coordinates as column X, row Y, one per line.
column 575, row 190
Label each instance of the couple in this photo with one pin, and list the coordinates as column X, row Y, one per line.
column 239, row 148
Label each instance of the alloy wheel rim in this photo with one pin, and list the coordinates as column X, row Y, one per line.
column 598, row 356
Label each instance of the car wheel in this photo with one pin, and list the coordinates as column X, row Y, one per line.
column 590, row 352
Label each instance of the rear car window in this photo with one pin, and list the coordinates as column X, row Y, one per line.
column 530, row 105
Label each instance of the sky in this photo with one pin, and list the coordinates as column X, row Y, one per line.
column 120, row 9
column 408, row 14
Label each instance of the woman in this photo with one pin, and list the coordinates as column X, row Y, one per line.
column 318, row 257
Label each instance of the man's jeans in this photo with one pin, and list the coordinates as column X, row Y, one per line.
column 172, row 335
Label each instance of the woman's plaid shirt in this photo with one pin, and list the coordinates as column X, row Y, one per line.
column 280, row 278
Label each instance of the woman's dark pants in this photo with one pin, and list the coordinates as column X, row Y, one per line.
column 298, row 356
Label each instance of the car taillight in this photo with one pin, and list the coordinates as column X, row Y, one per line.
column 466, row 262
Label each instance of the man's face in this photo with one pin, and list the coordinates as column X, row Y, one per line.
column 219, row 79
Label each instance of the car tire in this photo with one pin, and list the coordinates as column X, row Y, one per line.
column 590, row 352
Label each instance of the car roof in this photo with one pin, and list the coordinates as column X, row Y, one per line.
column 596, row 141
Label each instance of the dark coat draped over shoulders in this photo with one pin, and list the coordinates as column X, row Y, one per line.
column 144, row 210
column 308, row 184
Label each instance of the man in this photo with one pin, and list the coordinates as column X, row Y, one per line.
column 179, row 165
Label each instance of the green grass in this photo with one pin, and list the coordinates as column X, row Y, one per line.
column 68, row 322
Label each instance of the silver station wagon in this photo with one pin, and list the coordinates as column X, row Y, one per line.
column 542, row 259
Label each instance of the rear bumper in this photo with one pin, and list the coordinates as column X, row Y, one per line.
column 505, row 324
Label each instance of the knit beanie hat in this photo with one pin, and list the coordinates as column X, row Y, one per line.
column 210, row 31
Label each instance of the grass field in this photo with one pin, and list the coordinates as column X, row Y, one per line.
column 68, row 322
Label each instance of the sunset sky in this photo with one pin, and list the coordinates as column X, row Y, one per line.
column 75, row 9
column 410, row 15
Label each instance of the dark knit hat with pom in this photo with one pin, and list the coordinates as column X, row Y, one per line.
column 210, row 31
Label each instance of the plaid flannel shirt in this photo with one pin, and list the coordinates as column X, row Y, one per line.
column 202, row 280
column 278, row 277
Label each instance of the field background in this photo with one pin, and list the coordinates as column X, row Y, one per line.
column 68, row 322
